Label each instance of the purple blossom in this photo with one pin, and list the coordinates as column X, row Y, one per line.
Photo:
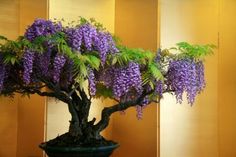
column 74, row 37
column 200, row 76
column 102, row 45
column 139, row 110
column 106, row 76
column 145, row 101
column 158, row 56
column 126, row 79
column 2, row 75
column 42, row 27
column 44, row 62
column 87, row 38
column 89, row 34
column 59, row 62
column 69, row 70
column 159, row 87
column 105, row 44
column 186, row 75
column 28, row 60
column 92, row 82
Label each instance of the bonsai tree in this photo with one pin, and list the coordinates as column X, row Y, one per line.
column 64, row 58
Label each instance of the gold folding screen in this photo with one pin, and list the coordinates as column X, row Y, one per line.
column 191, row 131
column 227, row 79
column 207, row 129
column 136, row 23
column 22, row 120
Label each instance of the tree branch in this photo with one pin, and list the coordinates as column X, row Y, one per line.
column 108, row 111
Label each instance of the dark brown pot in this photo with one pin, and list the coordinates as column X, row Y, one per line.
column 104, row 151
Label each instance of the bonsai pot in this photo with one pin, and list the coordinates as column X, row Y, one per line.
column 101, row 151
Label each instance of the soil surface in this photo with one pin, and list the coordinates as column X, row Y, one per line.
column 66, row 140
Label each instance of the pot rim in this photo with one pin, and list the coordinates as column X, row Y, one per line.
column 77, row 148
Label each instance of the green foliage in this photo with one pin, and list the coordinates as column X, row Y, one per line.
column 13, row 51
column 144, row 58
column 92, row 21
column 194, row 51
column 153, row 69
column 103, row 91
column 2, row 38
column 127, row 54
column 152, row 74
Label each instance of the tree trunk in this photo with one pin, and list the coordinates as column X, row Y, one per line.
column 74, row 129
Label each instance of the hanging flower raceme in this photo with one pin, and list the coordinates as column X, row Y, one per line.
column 58, row 64
column 69, row 71
column 126, row 79
column 139, row 110
column 42, row 27
column 200, row 75
column 3, row 73
column 44, row 60
column 106, row 76
column 92, row 82
column 74, row 38
column 89, row 34
column 125, row 82
column 159, row 88
column 102, row 45
column 186, row 75
column 87, row 38
column 105, row 44
column 28, row 61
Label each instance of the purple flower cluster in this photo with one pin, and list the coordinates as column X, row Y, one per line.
column 186, row 75
column 102, row 46
column 158, row 55
column 87, row 38
column 84, row 34
column 28, row 61
column 105, row 44
column 42, row 27
column 44, row 62
column 89, row 35
column 74, row 38
column 145, row 101
column 139, row 110
column 58, row 64
column 126, row 79
column 126, row 84
column 2, row 75
column 69, row 70
column 201, row 76
column 106, row 76
column 92, row 82
column 159, row 88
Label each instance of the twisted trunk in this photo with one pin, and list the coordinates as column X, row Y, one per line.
column 81, row 128
column 86, row 130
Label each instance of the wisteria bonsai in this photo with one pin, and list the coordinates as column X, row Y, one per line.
column 63, row 58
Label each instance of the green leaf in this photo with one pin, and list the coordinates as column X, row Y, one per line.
column 151, row 84
column 13, row 60
column 3, row 38
column 103, row 91
column 83, row 69
column 114, row 61
column 155, row 71
column 92, row 60
column 194, row 51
